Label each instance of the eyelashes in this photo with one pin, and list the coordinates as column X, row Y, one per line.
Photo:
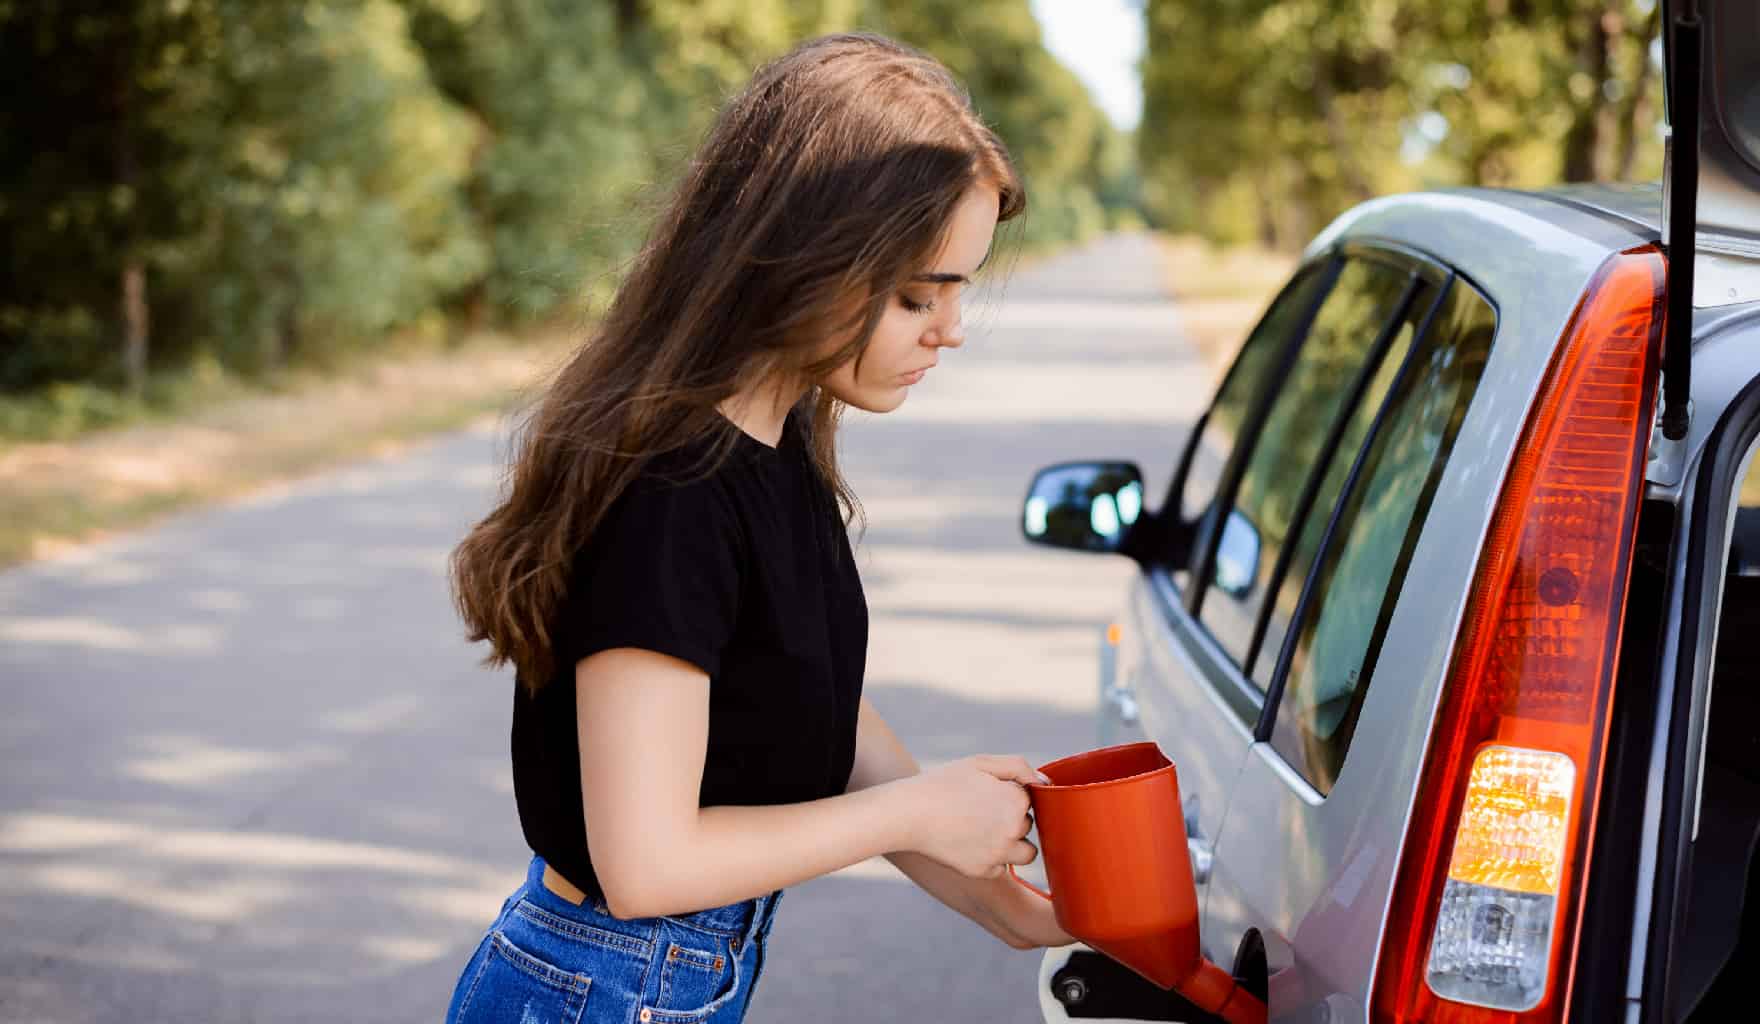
column 919, row 308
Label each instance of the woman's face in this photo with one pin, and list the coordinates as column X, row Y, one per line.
column 923, row 317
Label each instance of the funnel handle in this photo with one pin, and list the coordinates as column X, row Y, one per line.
column 1030, row 886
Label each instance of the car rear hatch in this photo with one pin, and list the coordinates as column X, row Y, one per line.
column 1729, row 142
column 1677, row 950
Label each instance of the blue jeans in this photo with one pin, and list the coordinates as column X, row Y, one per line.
column 547, row 961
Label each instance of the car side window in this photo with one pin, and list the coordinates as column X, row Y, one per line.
column 1366, row 297
column 1363, row 562
column 1246, row 380
column 1338, row 470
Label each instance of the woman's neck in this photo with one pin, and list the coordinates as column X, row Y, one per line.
column 761, row 410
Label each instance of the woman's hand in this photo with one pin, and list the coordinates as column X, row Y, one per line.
column 1020, row 918
column 972, row 814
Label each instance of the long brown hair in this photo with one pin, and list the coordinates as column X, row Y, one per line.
column 820, row 190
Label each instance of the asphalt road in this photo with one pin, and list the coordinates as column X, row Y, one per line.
column 249, row 771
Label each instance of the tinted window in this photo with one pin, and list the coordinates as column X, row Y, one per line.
column 1338, row 469
column 1289, row 446
column 1364, row 563
column 1246, row 379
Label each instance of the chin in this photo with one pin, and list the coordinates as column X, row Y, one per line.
column 876, row 401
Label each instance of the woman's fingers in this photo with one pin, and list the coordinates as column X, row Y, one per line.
column 1011, row 768
column 1022, row 852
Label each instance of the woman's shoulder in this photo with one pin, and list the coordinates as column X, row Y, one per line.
column 693, row 487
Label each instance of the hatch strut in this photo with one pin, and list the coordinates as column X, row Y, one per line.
column 1683, row 196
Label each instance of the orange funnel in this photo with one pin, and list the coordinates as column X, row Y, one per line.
column 1113, row 836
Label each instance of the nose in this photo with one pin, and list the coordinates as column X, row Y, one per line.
column 951, row 334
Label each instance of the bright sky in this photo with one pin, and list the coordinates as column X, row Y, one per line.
column 1101, row 41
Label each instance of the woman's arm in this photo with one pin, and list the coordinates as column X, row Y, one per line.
column 643, row 723
column 994, row 903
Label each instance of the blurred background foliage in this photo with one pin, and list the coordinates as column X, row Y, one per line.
column 209, row 190
column 1262, row 119
column 228, row 186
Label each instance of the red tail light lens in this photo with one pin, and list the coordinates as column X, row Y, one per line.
column 1484, row 916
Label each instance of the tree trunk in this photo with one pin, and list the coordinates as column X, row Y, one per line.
column 1636, row 113
column 1338, row 133
column 1582, row 144
column 134, row 272
column 280, row 337
column 134, row 324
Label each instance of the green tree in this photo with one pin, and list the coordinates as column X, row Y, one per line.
column 261, row 181
column 1065, row 147
column 260, row 176
column 83, row 207
column 1267, row 117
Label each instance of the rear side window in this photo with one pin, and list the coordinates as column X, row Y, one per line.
column 1246, row 380
column 1364, row 559
column 1338, row 470
column 1365, row 298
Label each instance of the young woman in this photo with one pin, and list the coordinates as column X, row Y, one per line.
column 670, row 574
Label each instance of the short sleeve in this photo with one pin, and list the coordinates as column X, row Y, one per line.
column 662, row 574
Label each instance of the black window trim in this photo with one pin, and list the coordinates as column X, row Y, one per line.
column 1317, row 473
column 1324, row 263
column 1232, row 687
column 1280, row 674
column 1258, row 709
column 1207, row 531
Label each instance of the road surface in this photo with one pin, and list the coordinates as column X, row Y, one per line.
column 249, row 770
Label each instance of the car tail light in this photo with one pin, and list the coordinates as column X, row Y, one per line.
column 1482, row 926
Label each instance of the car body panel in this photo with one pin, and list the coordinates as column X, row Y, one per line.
column 1174, row 670
column 1314, row 875
column 1640, row 206
column 1726, row 356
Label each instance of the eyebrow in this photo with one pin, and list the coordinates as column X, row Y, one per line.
column 941, row 278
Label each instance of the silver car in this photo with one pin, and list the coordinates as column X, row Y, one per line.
column 1450, row 620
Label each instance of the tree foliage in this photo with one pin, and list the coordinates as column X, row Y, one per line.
column 1266, row 118
column 256, row 181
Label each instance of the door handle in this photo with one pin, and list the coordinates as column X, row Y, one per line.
column 1123, row 703
column 1203, row 859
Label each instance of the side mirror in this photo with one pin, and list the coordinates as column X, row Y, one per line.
column 1083, row 506
column 1237, row 556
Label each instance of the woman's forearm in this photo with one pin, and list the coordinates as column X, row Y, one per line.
column 737, row 853
column 973, row 897
column 881, row 759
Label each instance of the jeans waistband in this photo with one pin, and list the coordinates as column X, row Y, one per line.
column 745, row 918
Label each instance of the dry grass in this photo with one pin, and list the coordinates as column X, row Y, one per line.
column 1221, row 291
column 53, row 494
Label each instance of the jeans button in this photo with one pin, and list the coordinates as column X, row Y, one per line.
column 735, row 944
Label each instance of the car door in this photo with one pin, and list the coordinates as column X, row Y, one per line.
column 1201, row 717
column 1296, row 848
column 1197, row 697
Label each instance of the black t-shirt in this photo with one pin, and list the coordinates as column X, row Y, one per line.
column 746, row 573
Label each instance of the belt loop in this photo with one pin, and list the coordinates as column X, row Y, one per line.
column 751, row 932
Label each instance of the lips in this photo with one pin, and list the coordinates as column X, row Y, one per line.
column 914, row 376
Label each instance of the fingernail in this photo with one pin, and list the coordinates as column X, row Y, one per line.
column 1043, row 778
